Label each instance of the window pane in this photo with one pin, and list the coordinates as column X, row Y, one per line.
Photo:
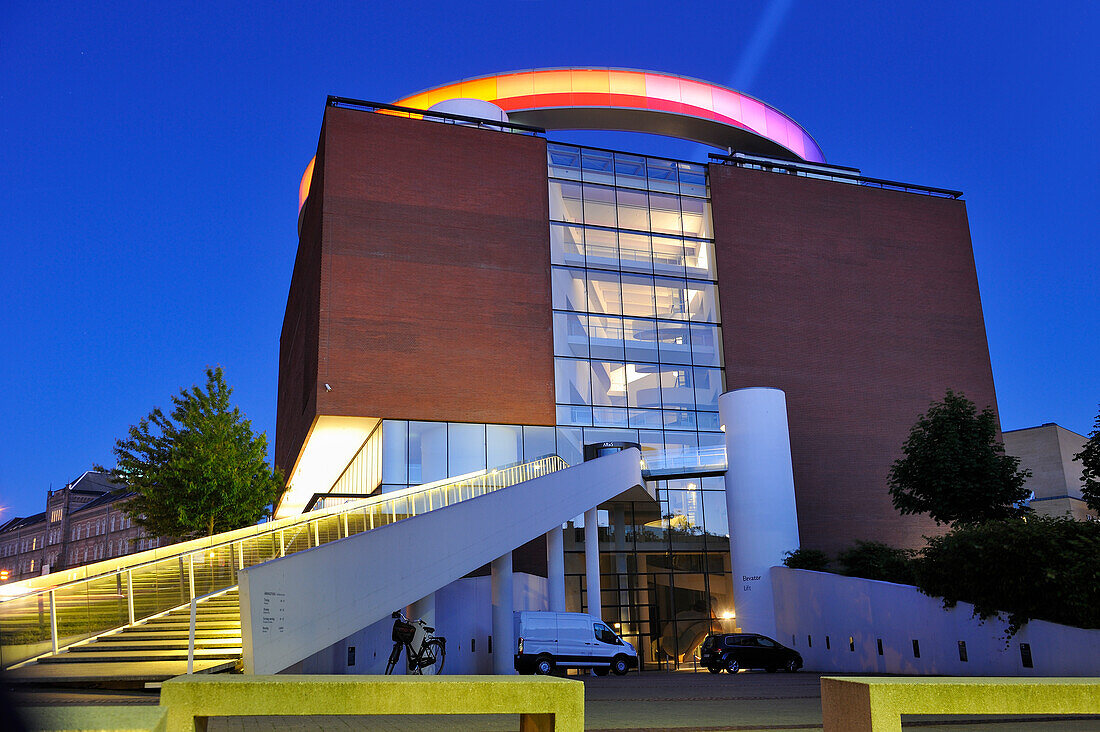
column 599, row 205
column 644, row 385
column 395, row 449
column 679, row 419
column 675, row 342
column 568, row 289
column 571, row 335
column 662, row 175
column 427, row 452
column 571, row 446
column 608, row 384
column 640, row 339
column 597, row 167
column 706, row 344
column 572, row 381
column 604, row 294
column 696, row 217
column 504, row 444
column 669, row 294
column 601, row 249
column 564, row 161
column 633, row 209
column 605, row 334
column 680, row 442
column 537, row 442
column 565, row 202
column 609, row 417
column 664, row 214
column 668, row 255
column 465, row 448
column 702, row 301
column 634, row 252
column 699, row 259
column 693, row 179
column 677, row 390
column 638, row 295
column 566, row 244
column 646, row 419
column 574, row 414
column 710, row 421
column 708, row 385
column 630, row 171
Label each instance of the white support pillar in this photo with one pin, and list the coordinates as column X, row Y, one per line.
column 555, row 569
column 504, row 641
column 423, row 609
column 592, row 564
column 760, row 501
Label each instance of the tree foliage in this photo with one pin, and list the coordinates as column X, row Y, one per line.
column 199, row 470
column 1089, row 458
column 814, row 559
column 1034, row 568
column 878, row 561
column 955, row 470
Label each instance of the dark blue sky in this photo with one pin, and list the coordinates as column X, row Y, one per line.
column 151, row 154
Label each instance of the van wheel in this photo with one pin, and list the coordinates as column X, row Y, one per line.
column 544, row 665
column 732, row 666
column 601, row 671
column 620, row 666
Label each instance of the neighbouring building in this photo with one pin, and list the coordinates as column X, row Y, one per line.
column 83, row 523
column 1056, row 478
column 469, row 292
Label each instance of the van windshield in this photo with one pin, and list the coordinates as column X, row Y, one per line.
column 604, row 635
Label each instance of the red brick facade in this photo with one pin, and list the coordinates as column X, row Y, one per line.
column 862, row 305
column 426, row 256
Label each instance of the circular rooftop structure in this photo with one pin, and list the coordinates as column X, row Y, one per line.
column 634, row 101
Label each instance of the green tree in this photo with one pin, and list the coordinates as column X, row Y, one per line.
column 955, row 470
column 1039, row 567
column 199, row 470
column 1090, row 468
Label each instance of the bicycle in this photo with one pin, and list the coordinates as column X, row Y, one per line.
column 430, row 650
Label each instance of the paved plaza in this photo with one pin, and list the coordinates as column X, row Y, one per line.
column 647, row 702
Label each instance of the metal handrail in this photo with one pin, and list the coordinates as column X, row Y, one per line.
column 403, row 503
column 432, row 113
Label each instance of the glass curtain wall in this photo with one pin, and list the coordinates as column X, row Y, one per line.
column 638, row 357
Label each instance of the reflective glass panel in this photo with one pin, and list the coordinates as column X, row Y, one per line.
column 677, row 390
column 675, row 342
column 566, row 244
column 600, row 248
column 604, row 293
column 564, row 161
column 570, row 335
column 634, row 252
column 572, row 381
column 465, row 448
column 633, row 209
column 664, row 214
column 427, row 452
column 568, row 289
column 597, row 166
column 693, row 179
column 630, row 171
column 646, row 418
column 608, row 384
column 668, row 255
column 702, row 301
column 708, row 385
column 605, row 336
column 573, row 414
column 669, row 296
column 571, row 445
column 565, row 202
column 537, row 442
column 599, row 205
column 699, row 259
column 696, row 217
column 644, row 385
column 640, row 339
column 504, row 444
column 706, row 344
column 395, row 445
column 638, row 295
column 679, row 419
column 609, row 417
column 662, row 175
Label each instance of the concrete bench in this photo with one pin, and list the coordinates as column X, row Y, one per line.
column 875, row 704
column 543, row 703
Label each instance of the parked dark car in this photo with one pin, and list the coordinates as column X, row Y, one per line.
column 735, row 651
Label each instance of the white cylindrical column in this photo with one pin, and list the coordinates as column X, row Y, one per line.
column 760, row 501
column 592, row 564
column 504, row 642
column 424, row 609
column 555, row 569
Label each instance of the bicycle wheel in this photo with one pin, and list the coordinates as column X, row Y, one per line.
column 395, row 656
column 435, row 650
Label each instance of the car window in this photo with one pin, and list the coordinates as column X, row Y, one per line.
column 604, row 634
column 766, row 642
column 735, row 640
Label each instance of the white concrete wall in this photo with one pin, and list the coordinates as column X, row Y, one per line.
column 298, row 605
column 463, row 616
column 815, row 605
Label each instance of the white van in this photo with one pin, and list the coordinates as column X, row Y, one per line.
column 548, row 640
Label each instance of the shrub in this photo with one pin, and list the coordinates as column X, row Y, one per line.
column 807, row 559
column 878, row 561
column 1039, row 567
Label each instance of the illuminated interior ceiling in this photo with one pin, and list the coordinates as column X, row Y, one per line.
column 331, row 444
column 629, row 100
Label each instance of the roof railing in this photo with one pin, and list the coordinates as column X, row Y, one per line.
column 826, row 172
column 434, row 115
